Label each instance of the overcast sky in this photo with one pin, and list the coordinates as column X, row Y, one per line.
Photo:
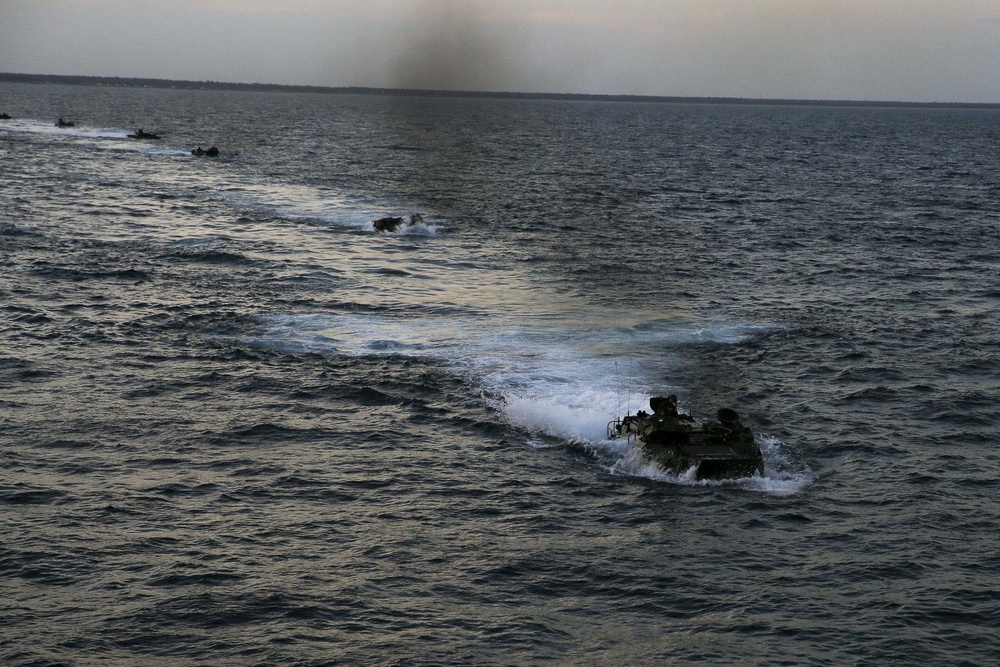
column 912, row 50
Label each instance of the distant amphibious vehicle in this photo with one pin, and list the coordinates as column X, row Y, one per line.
column 391, row 224
column 143, row 134
column 716, row 450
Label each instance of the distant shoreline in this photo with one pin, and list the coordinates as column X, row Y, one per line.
column 137, row 82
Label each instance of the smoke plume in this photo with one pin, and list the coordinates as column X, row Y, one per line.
column 451, row 47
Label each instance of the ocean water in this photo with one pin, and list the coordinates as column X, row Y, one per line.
column 238, row 427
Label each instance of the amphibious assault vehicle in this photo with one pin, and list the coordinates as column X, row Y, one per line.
column 723, row 449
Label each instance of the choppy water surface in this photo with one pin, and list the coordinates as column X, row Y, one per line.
column 239, row 427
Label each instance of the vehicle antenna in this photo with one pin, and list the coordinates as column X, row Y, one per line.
column 618, row 393
column 631, row 381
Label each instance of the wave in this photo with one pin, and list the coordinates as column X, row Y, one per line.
column 34, row 126
column 569, row 362
column 297, row 203
column 557, row 383
column 303, row 203
column 104, row 138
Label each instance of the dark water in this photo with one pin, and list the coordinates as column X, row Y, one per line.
column 237, row 427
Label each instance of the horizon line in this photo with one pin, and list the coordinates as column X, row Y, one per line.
column 150, row 82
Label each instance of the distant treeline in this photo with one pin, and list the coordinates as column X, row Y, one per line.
column 134, row 82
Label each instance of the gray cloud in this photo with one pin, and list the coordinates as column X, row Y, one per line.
column 920, row 50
